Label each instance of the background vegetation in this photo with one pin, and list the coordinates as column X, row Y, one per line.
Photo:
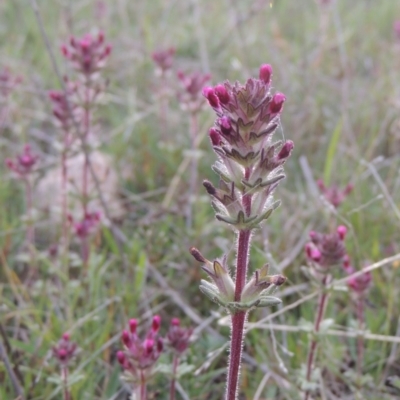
column 338, row 64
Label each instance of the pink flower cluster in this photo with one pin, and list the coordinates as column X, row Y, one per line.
column 87, row 226
column 359, row 284
column 327, row 250
column 164, row 59
column 63, row 107
column 64, row 350
column 247, row 117
column 24, row 163
column 87, row 54
column 192, row 84
column 333, row 193
column 140, row 355
column 178, row 338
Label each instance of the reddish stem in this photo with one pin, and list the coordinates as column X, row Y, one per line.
column 172, row 388
column 64, row 374
column 313, row 346
column 241, row 262
column 239, row 318
column 142, row 387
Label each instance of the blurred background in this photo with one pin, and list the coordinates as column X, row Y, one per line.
column 338, row 64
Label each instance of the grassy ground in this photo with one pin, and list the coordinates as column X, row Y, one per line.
column 338, row 65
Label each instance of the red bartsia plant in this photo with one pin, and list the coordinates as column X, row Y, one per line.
column 164, row 58
column 87, row 225
column 87, row 54
column 190, row 97
column 140, row 355
column 323, row 252
column 333, row 194
column 64, row 351
column 178, row 339
column 250, row 169
column 73, row 111
column 23, row 167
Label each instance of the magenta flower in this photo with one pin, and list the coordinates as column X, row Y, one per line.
column 333, row 194
column 64, row 107
column 139, row 356
column 178, row 337
column 64, row 350
column 327, row 250
column 24, row 163
column 88, row 225
column 87, row 54
column 358, row 284
column 247, row 117
column 191, row 95
column 164, row 59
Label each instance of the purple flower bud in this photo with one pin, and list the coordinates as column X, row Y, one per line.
column 359, row 284
column 342, row 231
column 209, row 94
column 222, row 94
column 121, row 357
column 265, row 73
column 286, row 150
column 148, row 345
column 197, row 255
column 156, row 323
column 276, row 104
column 126, row 338
column 66, row 336
column 175, row 322
column 64, row 51
column 225, row 125
column 313, row 254
column 133, row 325
column 62, row 354
column 215, row 137
column 160, row 345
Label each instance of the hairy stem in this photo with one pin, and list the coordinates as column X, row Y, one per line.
column 142, row 389
column 172, row 388
column 239, row 318
column 64, row 375
column 313, row 346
